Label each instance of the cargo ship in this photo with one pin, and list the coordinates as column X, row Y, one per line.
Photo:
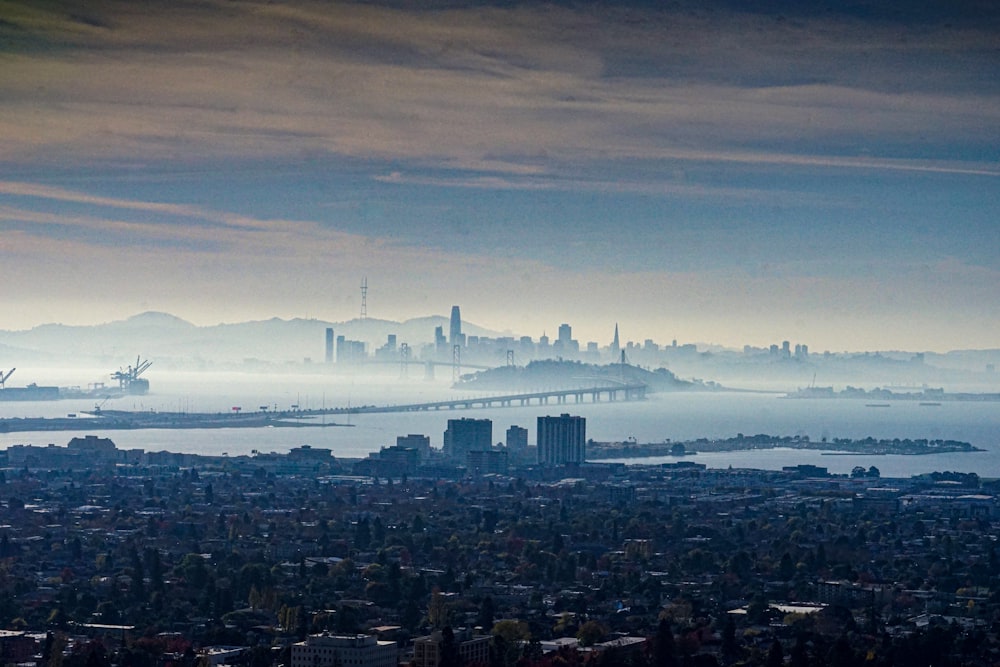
column 129, row 384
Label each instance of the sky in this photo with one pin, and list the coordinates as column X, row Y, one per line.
column 714, row 172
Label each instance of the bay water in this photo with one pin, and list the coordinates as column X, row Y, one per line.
column 661, row 417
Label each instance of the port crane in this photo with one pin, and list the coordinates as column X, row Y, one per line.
column 128, row 379
column 4, row 376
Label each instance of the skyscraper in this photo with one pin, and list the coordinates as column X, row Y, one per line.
column 616, row 347
column 565, row 334
column 562, row 439
column 455, row 330
column 467, row 435
column 517, row 440
column 329, row 345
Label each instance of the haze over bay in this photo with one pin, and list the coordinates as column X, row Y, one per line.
column 701, row 172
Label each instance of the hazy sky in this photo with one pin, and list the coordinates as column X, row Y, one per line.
column 691, row 170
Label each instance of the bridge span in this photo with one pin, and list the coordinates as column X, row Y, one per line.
column 622, row 392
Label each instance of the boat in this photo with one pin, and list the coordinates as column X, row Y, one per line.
column 877, row 405
column 32, row 392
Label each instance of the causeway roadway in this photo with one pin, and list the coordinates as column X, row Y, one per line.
column 131, row 420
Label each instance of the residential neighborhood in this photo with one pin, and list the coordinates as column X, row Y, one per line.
column 112, row 557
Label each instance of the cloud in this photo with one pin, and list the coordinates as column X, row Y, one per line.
column 546, row 86
column 657, row 148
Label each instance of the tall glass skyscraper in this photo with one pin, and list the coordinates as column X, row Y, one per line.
column 455, row 330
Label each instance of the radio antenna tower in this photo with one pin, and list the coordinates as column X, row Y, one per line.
column 364, row 298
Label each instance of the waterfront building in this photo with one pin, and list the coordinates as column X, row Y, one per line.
column 561, row 439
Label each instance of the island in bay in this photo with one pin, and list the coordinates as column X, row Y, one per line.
column 597, row 451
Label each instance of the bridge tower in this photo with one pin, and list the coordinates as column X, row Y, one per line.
column 456, row 362
column 404, row 360
column 364, row 298
column 510, row 358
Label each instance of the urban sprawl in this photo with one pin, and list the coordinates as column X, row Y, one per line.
column 478, row 554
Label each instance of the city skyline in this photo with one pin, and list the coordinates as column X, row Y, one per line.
column 791, row 172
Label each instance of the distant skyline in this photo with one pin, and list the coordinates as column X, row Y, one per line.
column 693, row 171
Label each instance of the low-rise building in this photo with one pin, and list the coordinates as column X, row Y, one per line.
column 326, row 650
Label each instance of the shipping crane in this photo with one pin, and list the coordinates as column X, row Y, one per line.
column 4, row 376
column 128, row 379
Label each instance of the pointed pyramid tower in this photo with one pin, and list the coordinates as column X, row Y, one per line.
column 615, row 346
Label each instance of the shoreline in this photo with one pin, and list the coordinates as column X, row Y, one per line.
column 597, row 451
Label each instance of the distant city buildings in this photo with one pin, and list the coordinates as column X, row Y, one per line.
column 455, row 335
column 774, row 351
column 350, row 351
column 462, row 350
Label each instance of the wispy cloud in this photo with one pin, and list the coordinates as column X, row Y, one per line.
column 550, row 85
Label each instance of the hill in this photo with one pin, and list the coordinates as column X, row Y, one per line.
column 175, row 343
column 551, row 374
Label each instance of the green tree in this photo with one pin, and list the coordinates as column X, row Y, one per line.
column 775, row 655
column 362, row 535
column 590, row 633
column 730, row 649
column 437, row 609
column 507, row 636
column 155, row 568
column 450, row 656
column 138, row 588
column 664, row 649
column 486, row 612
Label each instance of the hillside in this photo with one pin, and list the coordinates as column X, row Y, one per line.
column 553, row 374
column 176, row 343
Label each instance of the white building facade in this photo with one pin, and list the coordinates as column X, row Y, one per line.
column 328, row 650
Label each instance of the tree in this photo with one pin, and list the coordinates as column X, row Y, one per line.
column 437, row 609
column 362, row 535
column 155, row 568
column 511, row 630
column 730, row 649
column 486, row 612
column 590, row 633
column 786, row 568
column 664, row 650
column 138, row 588
column 775, row 655
column 799, row 656
column 449, row 649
